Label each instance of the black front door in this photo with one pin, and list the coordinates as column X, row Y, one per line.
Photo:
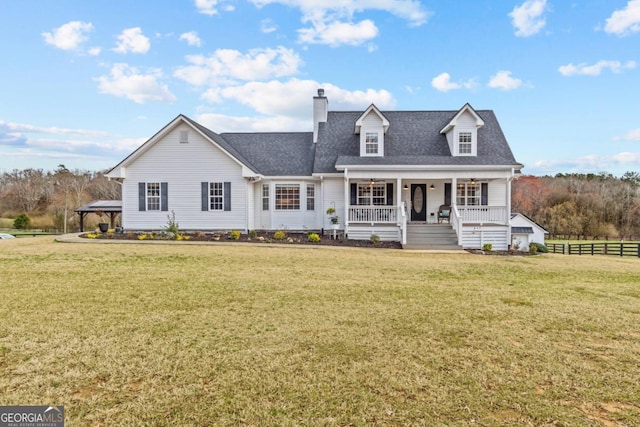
column 418, row 202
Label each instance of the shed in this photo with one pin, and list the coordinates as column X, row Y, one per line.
column 524, row 231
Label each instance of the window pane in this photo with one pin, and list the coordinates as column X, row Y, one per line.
column 372, row 194
column 371, row 143
column 287, row 196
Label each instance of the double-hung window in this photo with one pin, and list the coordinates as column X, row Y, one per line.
column 465, row 141
column 153, row 196
column 287, row 197
column 311, row 197
column 469, row 194
column 369, row 194
column 216, row 196
column 265, row 197
column 371, row 145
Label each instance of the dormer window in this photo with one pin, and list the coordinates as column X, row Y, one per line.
column 371, row 145
column 465, row 141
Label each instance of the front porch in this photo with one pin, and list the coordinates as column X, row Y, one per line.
column 390, row 208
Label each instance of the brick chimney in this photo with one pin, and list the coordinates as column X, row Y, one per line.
column 320, row 110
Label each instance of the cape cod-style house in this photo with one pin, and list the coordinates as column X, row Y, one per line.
column 407, row 176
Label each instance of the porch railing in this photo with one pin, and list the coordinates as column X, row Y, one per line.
column 373, row 214
column 483, row 214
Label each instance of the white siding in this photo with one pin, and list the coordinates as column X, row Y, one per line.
column 333, row 196
column 295, row 220
column 497, row 193
column 474, row 237
column 390, row 233
column 184, row 166
column 372, row 123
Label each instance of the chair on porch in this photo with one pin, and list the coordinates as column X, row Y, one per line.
column 444, row 213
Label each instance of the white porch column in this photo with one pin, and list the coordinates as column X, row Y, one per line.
column 345, row 214
column 398, row 191
column 454, row 190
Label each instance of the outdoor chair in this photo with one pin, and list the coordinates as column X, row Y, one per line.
column 444, row 213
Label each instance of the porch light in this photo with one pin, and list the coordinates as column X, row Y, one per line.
column 432, row 187
column 406, row 187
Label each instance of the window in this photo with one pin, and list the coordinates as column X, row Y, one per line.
column 372, row 194
column 464, row 142
column 153, row 196
column 311, row 197
column 184, row 136
column 265, row 197
column 468, row 194
column 216, row 196
column 287, row 197
column 371, row 143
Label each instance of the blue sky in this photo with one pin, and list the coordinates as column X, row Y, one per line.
column 83, row 83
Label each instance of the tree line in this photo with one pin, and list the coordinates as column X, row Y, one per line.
column 581, row 206
column 598, row 206
column 52, row 196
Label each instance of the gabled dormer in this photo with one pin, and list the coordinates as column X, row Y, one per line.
column 372, row 125
column 462, row 132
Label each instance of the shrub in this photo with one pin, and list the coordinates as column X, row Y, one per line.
column 375, row 239
column 253, row 234
column 487, row 247
column 279, row 235
column 314, row 237
column 172, row 225
column 540, row 247
column 533, row 248
column 234, row 235
column 22, row 222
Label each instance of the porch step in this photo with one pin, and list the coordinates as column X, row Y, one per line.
column 431, row 236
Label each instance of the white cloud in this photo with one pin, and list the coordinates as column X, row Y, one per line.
column 68, row 36
column 94, row 51
column 338, row 33
column 589, row 163
column 267, row 26
column 632, row 135
column 127, row 82
column 228, row 65
column 286, row 105
column 624, row 21
column 527, row 18
column 132, row 40
column 206, row 7
column 191, row 38
column 21, row 127
column 595, row 69
column 443, row 83
column 503, row 80
column 332, row 20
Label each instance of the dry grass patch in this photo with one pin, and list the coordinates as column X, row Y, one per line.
column 246, row 335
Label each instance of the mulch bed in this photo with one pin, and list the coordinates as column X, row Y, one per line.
column 257, row 238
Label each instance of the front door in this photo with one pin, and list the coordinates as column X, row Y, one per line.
column 418, row 202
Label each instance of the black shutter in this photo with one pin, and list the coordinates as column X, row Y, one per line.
column 204, row 193
column 227, row 196
column 484, row 193
column 142, row 196
column 164, row 196
column 389, row 194
column 353, row 199
column 447, row 193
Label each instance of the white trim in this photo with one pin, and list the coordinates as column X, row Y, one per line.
column 371, row 108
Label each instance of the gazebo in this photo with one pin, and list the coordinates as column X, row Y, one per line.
column 109, row 207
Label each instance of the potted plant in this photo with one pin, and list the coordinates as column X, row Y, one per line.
column 333, row 218
column 104, row 227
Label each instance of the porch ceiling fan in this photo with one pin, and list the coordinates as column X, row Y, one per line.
column 374, row 181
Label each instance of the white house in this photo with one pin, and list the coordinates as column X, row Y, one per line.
column 385, row 172
column 524, row 231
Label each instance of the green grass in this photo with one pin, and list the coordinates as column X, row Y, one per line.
column 145, row 334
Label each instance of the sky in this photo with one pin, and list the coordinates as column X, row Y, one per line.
column 84, row 83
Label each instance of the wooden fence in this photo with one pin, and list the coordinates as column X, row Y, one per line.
column 604, row 248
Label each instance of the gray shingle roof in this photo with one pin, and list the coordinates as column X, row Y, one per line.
column 413, row 138
column 522, row 230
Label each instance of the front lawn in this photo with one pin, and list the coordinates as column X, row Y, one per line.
column 171, row 335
